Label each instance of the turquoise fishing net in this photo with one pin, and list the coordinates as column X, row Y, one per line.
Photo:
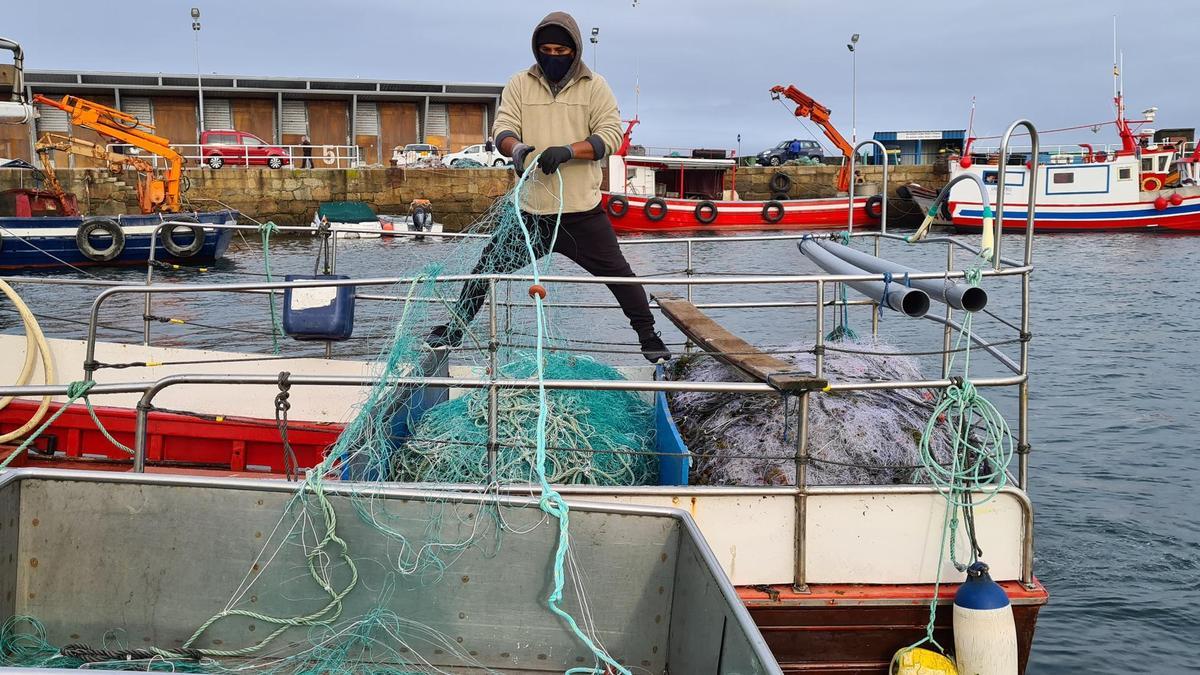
column 406, row 432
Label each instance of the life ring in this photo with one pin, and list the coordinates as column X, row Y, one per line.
column 874, row 207
column 706, row 212
column 167, row 234
column 617, row 206
column 655, row 209
column 106, row 225
column 1151, row 183
column 772, row 211
column 781, row 182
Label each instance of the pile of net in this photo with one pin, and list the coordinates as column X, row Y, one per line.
column 592, row 437
column 856, row 438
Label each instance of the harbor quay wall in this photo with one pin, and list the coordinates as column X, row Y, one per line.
column 459, row 196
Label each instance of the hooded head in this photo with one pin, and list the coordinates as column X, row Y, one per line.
column 554, row 33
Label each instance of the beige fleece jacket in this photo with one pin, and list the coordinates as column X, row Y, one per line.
column 584, row 107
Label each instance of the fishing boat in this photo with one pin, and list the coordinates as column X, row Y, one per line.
column 1141, row 185
column 837, row 578
column 44, row 230
column 647, row 194
column 357, row 220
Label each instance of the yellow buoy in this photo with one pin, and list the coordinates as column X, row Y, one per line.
column 917, row 661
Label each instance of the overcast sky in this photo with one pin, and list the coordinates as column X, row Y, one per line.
column 705, row 66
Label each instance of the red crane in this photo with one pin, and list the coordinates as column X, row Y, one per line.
column 819, row 114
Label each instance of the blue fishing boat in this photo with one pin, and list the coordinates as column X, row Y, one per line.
column 39, row 230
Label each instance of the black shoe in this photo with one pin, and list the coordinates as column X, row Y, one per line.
column 444, row 336
column 653, row 348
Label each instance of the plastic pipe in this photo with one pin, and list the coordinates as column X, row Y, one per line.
column 895, row 296
column 958, row 296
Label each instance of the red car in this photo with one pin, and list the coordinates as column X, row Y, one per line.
column 239, row 148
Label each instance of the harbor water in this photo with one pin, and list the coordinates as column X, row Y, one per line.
column 1113, row 412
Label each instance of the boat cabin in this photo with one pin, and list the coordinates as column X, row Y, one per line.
column 675, row 177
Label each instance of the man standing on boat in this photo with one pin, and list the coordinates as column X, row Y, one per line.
column 562, row 110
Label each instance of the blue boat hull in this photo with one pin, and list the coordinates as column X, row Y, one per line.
column 49, row 242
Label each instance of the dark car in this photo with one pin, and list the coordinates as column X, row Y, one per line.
column 239, row 148
column 784, row 152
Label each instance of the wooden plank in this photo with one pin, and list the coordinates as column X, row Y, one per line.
column 724, row 345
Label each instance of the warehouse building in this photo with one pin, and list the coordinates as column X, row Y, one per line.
column 376, row 115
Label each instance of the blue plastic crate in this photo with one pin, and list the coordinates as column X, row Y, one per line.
column 674, row 459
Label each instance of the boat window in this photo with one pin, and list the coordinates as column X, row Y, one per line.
column 1148, row 164
column 1064, row 177
column 989, row 177
column 1124, row 173
column 1162, row 162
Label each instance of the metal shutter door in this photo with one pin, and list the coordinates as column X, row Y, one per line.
column 438, row 123
column 51, row 119
column 366, row 119
column 295, row 118
column 217, row 114
column 140, row 107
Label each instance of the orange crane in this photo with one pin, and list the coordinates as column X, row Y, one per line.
column 154, row 193
column 819, row 114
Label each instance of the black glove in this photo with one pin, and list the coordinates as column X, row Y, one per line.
column 519, row 152
column 551, row 158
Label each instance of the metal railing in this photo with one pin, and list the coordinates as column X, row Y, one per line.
column 817, row 286
column 199, row 156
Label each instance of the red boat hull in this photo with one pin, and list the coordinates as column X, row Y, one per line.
column 733, row 216
column 233, row 443
column 1140, row 216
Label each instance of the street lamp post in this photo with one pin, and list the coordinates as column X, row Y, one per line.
column 196, row 47
column 595, row 41
column 853, row 88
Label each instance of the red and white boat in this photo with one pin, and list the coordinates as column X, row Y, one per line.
column 687, row 194
column 1143, row 185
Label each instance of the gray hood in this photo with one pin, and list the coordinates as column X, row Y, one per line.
column 578, row 68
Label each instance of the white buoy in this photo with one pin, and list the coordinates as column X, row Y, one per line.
column 985, row 634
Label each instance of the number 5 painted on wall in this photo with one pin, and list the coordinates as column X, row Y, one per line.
column 329, row 153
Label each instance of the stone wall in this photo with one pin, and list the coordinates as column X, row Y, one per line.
column 290, row 197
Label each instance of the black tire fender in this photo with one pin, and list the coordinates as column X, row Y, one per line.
column 772, row 211
column 655, row 209
column 617, row 206
column 874, row 207
column 781, row 182
column 706, row 212
column 188, row 223
column 109, row 226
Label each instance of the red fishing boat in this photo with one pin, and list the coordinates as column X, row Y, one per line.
column 685, row 194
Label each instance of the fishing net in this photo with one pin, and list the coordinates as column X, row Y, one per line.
column 855, row 438
column 415, row 433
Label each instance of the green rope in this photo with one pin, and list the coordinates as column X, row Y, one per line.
column 842, row 331
column 75, row 391
column 266, row 230
column 551, row 501
column 980, row 461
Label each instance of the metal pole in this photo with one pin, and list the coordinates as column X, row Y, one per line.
column 687, row 344
column 493, row 449
column 140, row 432
column 146, row 305
column 800, row 582
column 199, row 80
column 949, row 319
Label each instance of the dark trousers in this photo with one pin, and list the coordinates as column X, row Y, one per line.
column 587, row 238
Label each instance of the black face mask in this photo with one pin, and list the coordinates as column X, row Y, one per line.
column 555, row 67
